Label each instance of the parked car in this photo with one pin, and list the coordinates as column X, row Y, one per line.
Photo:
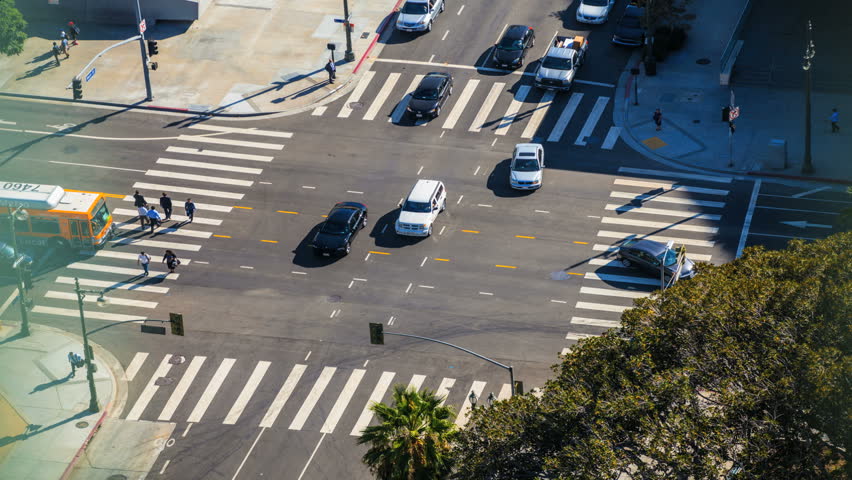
column 511, row 50
column 594, row 11
column 525, row 171
column 629, row 30
column 418, row 15
column 339, row 229
column 434, row 90
column 648, row 255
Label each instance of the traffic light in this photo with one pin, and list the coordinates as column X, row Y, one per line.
column 726, row 114
column 377, row 335
column 176, row 320
column 77, row 87
column 152, row 48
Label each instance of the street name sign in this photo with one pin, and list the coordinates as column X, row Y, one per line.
column 90, row 74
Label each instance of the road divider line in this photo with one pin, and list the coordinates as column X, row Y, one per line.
column 505, row 266
column 441, row 259
column 269, row 241
column 524, row 236
column 379, row 253
column 244, row 208
column 222, row 236
column 580, row 243
column 287, row 211
column 470, row 231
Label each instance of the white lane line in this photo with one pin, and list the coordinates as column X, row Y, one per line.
column 165, row 464
column 592, row 120
column 220, row 154
column 4, row 122
column 191, row 191
column 110, row 300
column 424, row 261
column 487, row 105
column 175, row 217
column 416, row 381
column 565, row 117
column 538, row 114
column 202, row 263
column 494, row 142
column 512, row 112
column 407, row 290
column 558, row 301
column 443, row 390
column 609, row 292
column 246, row 267
column 382, row 96
column 461, row 103
column 181, row 388
column 356, row 192
column 351, row 283
column 298, row 273
column 477, row 170
column 199, row 178
column 343, row 400
column 113, row 285
column 484, row 205
column 659, row 211
column 660, row 225
column 505, row 392
column 670, row 186
column 186, row 430
column 150, row 389
column 486, row 293
column 658, row 238
column 73, row 312
column 420, row 170
column 356, row 94
column 211, row 390
column 611, row 137
column 442, row 39
column 375, row 397
column 399, row 110
column 604, row 277
column 135, row 365
column 458, row 13
column 442, row 230
column 209, row 166
column 96, row 166
column 311, row 457
column 464, row 411
column 248, row 390
column 663, row 173
column 460, row 199
column 251, row 449
column 432, row 57
column 200, row 206
column 747, row 222
column 8, row 302
column 360, row 279
column 283, row 395
column 602, row 307
column 607, row 262
column 804, row 194
column 243, row 131
column 664, row 199
column 235, row 143
column 319, row 111
column 425, row 286
column 156, row 244
column 542, row 211
column 595, row 322
column 179, row 232
column 312, row 398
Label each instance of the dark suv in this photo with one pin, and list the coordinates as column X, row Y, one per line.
column 629, row 31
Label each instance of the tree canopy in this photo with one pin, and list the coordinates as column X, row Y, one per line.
column 746, row 365
column 12, row 29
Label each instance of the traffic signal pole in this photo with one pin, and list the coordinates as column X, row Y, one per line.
column 148, row 95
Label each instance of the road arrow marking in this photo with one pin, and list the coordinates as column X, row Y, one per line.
column 805, row 224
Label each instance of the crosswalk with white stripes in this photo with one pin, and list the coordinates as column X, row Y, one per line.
column 214, row 178
column 646, row 204
column 479, row 106
column 299, row 397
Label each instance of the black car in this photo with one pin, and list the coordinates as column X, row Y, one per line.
column 343, row 222
column 430, row 95
column 511, row 50
column 648, row 255
column 629, row 30
column 7, row 262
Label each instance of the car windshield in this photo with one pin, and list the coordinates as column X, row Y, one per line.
column 414, row 8
column 511, row 44
column 416, row 207
column 525, row 165
column 333, row 227
column 670, row 257
column 556, row 63
column 100, row 218
column 426, row 93
column 596, row 3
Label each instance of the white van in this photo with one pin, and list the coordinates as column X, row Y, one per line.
column 427, row 199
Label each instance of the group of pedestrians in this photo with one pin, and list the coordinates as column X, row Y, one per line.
column 169, row 258
column 66, row 40
column 148, row 214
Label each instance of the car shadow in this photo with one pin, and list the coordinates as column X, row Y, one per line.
column 384, row 235
column 304, row 255
column 397, row 37
column 498, row 182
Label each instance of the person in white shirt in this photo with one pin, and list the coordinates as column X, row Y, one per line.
column 144, row 259
column 143, row 215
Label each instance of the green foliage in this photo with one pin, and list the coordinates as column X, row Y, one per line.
column 12, row 29
column 748, row 363
column 414, row 438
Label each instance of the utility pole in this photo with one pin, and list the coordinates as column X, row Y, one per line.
column 148, row 95
column 810, row 52
column 22, row 295
column 87, row 351
column 349, row 55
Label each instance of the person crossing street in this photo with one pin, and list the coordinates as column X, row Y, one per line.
column 143, row 215
column 190, row 209
column 144, row 260
column 154, row 218
column 139, row 200
column 166, row 203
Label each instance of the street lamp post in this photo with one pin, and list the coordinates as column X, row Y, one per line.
column 810, row 52
column 349, row 55
column 81, row 294
column 25, row 319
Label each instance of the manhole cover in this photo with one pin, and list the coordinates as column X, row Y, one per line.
column 117, row 476
column 164, row 381
column 703, row 61
column 356, row 105
column 177, row 359
column 333, row 298
column 82, row 424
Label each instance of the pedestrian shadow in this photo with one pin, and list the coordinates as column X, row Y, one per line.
column 33, row 429
column 51, row 384
column 40, row 58
column 34, row 72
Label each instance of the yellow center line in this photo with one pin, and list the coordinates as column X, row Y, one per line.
column 244, row 208
column 470, row 231
column 379, row 253
column 269, row 241
column 505, row 266
column 324, row 216
column 582, row 243
column 286, row 211
column 572, row 273
column 441, row 259
column 222, row 236
column 524, row 236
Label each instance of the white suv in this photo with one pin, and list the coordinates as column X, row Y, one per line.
column 427, row 199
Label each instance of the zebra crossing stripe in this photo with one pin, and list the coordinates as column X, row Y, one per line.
column 665, row 199
column 356, row 94
column 210, row 391
column 512, row 112
column 248, row 390
column 201, row 206
column 282, row 396
column 399, row 111
column 606, row 262
column 595, row 322
column 135, row 365
column 659, row 211
column 664, row 173
column 611, row 137
column 120, row 270
column 416, row 381
column 375, row 397
column 613, row 293
column 150, row 389
column 382, row 96
column 226, row 141
column 313, row 397
column 677, row 187
column 461, row 103
column 602, row 307
column 487, row 105
column 605, row 277
column 539, row 114
column 243, row 131
column 209, row 166
column 659, row 225
column 565, row 117
column 110, row 300
column 319, row 111
column 155, row 244
column 592, row 121
column 505, row 392
column 192, row 191
column 113, row 285
column 444, row 389
column 658, row 238
column 342, row 400
column 180, row 232
column 464, row 412
column 181, row 388
column 199, row 178
column 220, row 154
column 73, row 312
column 578, row 336
column 175, row 217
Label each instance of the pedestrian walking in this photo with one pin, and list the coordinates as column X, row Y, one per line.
column 65, row 47
column 56, row 51
column 139, row 200
column 190, row 209
column 154, row 218
column 76, row 362
column 171, row 260
column 166, row 203
column 835, row 117
column 332, row 71
column 144, row 259
column 143, row 215
column 73, row 32
column 658, row 119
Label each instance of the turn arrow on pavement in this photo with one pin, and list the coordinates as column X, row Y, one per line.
column 805, row 224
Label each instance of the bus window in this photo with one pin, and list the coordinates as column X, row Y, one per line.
column 45, row 225
column 20, row 225
column 100, row 218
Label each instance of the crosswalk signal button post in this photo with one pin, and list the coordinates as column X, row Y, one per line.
column 152, row 48
column 77, row 87
column 377, row 335
column 176, row 321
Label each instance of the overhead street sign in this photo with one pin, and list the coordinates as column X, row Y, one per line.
column 90, row 74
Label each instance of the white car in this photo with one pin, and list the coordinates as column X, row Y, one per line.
column 525, row 172
column 594, row 11
column 418, row 15
column 427, row 199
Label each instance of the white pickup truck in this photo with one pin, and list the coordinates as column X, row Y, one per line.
column 558, row 67
column 418, row 15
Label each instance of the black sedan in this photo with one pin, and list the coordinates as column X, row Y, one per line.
column 512, row 48
column 629, row 30
column 342, row 224
column 649, row 255
column 430, row 95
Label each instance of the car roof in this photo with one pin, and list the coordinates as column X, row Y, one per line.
column 527, row 147
column 633, row 11
column 516, row 32
column 357, row 205
column 422, row 191
column 341, row 214
column 650, row 246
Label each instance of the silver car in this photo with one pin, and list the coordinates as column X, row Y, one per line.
column 526, row 169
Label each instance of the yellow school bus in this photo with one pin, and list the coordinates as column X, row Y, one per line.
column 51, row 216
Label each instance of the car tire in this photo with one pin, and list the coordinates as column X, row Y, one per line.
column 429, row 27
column 451, row 90
column 429, row 232
column 443, row 206
column 443, row 5
column 364, row 223
column 626, row 262
column 437, row 111
column 348, row 249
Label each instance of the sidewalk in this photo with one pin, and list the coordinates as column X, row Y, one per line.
column 691, row 100
column 241, row 58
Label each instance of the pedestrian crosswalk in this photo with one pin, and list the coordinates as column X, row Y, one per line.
column 325, row 399
column 646, row 204
column 482, row 106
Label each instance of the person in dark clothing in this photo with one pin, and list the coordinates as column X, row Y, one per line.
column 56, row 51
column 332, row 71
column 166, row 203
column 139, row 200
column 73, row 32
column 171, row 260
column 190, row 209
column 658, row 119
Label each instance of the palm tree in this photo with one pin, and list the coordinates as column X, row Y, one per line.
column 413, row 440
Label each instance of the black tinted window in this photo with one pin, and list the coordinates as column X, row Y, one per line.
column 44, row 225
